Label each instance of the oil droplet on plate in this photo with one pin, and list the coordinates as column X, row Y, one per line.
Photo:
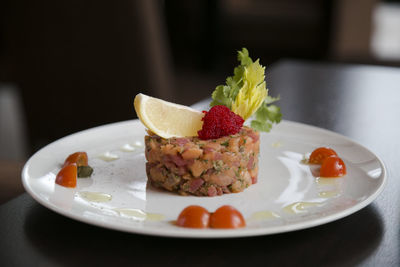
column 95, row 196
column 108, row 156
column 300, row 207
column 328, row 181
column 328, row 194
column 128, row 148
column 276, row 144
column 138, row 144
column 264, row 215
column 140, row 214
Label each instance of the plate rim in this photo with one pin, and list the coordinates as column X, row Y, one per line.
column 209, row 233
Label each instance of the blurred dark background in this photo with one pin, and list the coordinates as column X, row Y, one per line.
column 67, row 66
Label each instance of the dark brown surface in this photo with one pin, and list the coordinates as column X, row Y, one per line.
column 90, row 53
column 10, row 181
column 360, row 102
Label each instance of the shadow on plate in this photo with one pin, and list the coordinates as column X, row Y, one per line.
column 344, row 242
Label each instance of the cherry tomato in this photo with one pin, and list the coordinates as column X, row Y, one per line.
column 227, row 217
column 80, row 158
column 194, row 217
column 332, row 167
column 321, row 153
column 67, row 176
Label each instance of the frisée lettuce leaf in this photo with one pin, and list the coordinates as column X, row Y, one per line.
column 245, row 93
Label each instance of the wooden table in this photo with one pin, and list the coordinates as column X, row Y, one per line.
column 361, row 102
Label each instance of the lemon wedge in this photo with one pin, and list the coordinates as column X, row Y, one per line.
column 167, row 119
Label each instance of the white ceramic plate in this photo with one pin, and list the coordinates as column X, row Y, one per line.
column 287, row 196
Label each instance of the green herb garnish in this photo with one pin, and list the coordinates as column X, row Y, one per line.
column 245, row 93
column 225, row 144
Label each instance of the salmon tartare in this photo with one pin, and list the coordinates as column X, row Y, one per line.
column 191, row 166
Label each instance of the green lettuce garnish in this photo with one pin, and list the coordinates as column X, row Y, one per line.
column 245, row 93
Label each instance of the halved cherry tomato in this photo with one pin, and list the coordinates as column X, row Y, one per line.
column 194, row 217
column 227, row 217
column 80, row 158
column 321, row 153
column 332, row 167
column 67, row 176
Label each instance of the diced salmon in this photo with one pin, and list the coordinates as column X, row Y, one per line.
column 197, row 168
column 234, row 145
column 192, row 153
column 203, row 167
